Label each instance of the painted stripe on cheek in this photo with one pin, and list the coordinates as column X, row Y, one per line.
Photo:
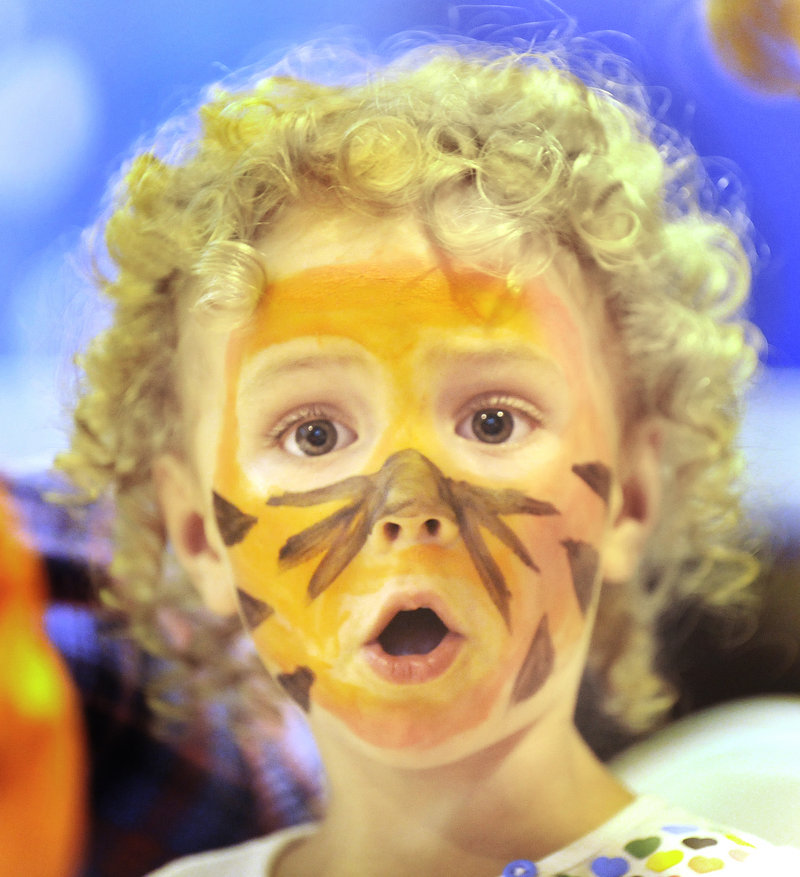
column 255, row 611
column 537, row 666
column 233, row 523
column 298, row 686
column 597, row 476
column 583, row 561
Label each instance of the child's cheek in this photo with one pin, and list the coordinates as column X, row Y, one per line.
column 300, row 630
column 289, row 631
column 566, row 548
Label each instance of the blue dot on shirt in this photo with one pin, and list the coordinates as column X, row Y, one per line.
column 520, row 868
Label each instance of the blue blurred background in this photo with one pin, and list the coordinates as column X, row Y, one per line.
column 81, row 80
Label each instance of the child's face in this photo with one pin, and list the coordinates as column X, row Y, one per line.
column 414, row 485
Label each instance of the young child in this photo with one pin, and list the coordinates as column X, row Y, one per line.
column 433, row 379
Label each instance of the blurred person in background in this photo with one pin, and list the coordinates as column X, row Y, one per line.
column 42, row 769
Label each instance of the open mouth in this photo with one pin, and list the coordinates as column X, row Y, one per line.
column 414, row 646
column 413, row 632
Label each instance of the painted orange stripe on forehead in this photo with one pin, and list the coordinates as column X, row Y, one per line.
column 368, row 295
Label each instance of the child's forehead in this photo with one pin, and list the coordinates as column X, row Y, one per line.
column 393, row 308
column 388, row 299
column 383, row 284
column 341, row 265
column 418, row 324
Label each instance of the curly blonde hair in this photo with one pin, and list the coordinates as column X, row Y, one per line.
column 554, row 145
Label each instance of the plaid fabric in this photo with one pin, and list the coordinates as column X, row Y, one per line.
column 154, row 799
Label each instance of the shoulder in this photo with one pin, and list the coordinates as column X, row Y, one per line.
column 661, row 836
column 252, row 859
column 774, row 861
column 650, row 837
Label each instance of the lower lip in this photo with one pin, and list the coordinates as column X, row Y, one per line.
column 407, row 669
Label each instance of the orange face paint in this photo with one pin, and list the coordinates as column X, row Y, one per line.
column 412, row 481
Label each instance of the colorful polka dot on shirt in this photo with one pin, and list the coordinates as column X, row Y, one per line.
column 520, row 868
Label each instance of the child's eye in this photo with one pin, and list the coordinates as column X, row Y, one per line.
column 313, row 438
column 497, row 422
column 492, row 425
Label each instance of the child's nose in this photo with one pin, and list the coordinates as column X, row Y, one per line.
column 398, row 531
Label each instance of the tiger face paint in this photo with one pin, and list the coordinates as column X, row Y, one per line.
column 412, row 482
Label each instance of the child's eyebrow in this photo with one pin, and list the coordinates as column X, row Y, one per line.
column 487, row 356
column 267, row 366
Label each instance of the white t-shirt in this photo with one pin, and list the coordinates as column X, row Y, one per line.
column 646, row 839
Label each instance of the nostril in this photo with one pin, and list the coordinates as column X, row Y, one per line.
column 432, row 526
column 391, row 530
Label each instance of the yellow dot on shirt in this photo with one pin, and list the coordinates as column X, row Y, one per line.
column 705, row 865
column 738, row 840
column 659, row 862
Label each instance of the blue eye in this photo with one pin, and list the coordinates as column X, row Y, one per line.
column 492, row 425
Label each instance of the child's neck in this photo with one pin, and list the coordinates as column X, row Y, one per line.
column 519, row 799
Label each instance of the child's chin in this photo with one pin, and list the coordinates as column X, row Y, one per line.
column 399, row 743
column 416, row 732
column 419, row 738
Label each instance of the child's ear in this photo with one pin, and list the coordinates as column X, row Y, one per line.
column 189, row 527
column 638, row 502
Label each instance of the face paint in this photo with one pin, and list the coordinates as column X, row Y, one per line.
column 537, row 666
column 298, row 686
column 233, row 524
column 254, row 611
column 408, row 483
column 396, row 488
column 583, row 564
column 597, row 476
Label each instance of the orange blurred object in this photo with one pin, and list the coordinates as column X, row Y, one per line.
column 42, row 757
column 760, row 39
